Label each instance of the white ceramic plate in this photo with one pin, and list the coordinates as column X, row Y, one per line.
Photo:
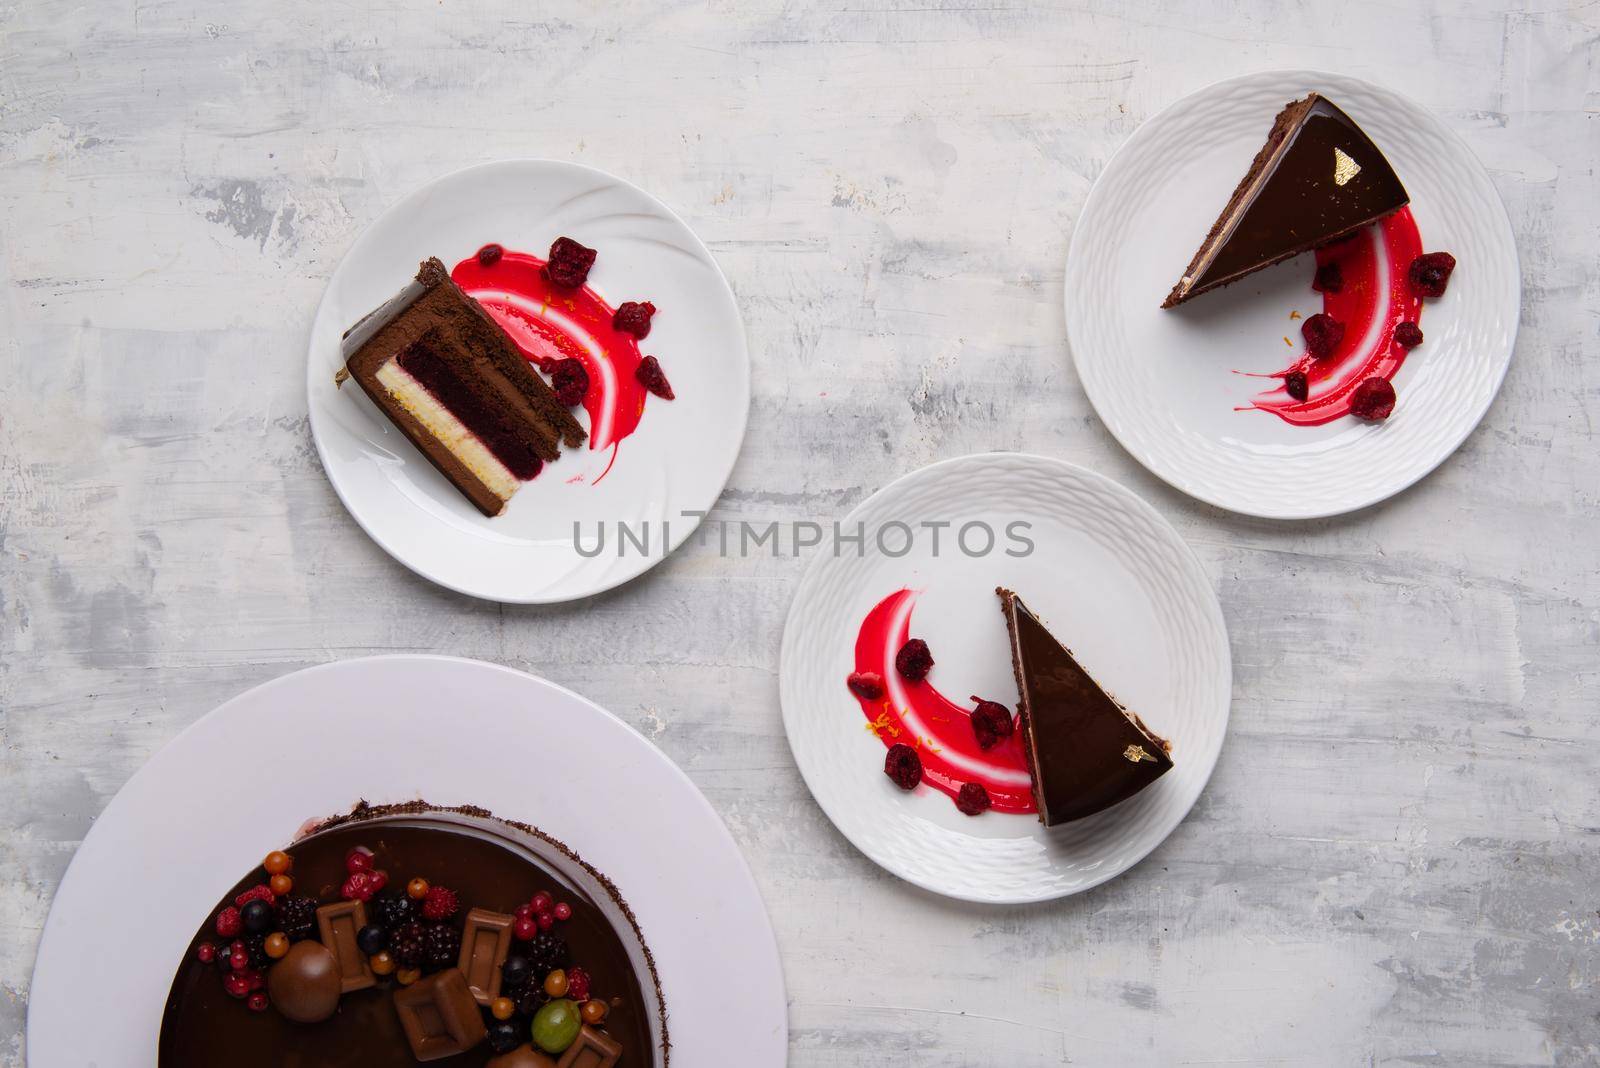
column 676, row 462
column 1164, row 381
column 1110, row 577
column 244, row 778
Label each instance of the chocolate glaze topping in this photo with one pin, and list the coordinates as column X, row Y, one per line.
column 489, row 864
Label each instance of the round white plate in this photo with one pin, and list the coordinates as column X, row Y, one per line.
column 243, row 779
column 1109, row 576
column 1163, row 380
column 675, row 463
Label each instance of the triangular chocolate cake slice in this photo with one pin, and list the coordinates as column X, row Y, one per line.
column 1085, row 751
column 1317, row 179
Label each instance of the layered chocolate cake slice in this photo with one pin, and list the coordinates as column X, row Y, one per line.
column 1085, row 751
column 1317, row 179
column 450, row 379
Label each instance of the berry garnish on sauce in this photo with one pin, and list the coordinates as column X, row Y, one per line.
column 1373, row 400
column 633, row 317
column 973, row 798
column 903, row 766
column 569, row 263
column 1322, row 333
column 570, row 381
column 867, row 685
column 991, row 723
column 490, row 254
column 1295, row 384
column 914, row 661
column 653, row 378
column 1409, row 335
column 1329, row 278
column 1430, row 273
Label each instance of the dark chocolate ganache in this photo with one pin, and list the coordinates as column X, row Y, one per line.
column 488, row 865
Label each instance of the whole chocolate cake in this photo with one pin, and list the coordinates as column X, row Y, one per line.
column 404, row 934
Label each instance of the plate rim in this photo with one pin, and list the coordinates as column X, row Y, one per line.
column 1501, row 218
column 741, row 414
column 812, row 577
column 53, row 925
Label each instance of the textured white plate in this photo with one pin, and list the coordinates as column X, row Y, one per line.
column 1109, row 576
column 242, row 780
column 677, row 461
column 1163, row 381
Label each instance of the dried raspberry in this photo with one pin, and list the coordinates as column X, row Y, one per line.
column 1409, row 335
column 1322, row 333
column 1295, row 384
column 490, row 254
column 1430, row 273
column 569, row 263
column 440, row 904
column 914, row 661
column 653, row 378
column 263, row 892
column 1373, row 399
column 570, row 381
column 973, row 798
column 1329, row 279
column 228, row 923
column 903, row 766
column 634, row 318
column 991, row 723
column 867, row 685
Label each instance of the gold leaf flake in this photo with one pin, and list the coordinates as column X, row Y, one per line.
column 1344, row 168
column 1135, row 753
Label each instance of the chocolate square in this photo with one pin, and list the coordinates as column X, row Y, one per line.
column 591, row 1049
column 440, row 1016
column 337, row 925
column 485, row 943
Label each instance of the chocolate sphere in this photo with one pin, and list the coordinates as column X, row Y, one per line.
column 305, row 984
column 522, row 1057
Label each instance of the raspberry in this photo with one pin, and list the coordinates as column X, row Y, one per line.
column 991, row 723
column 569, row 263
column 1373, row 400
column 1322, row 333
column 634, row 318
column 1295, row 384
column 263, row 892
column 1329, row 279
column 903, row 766
column 867, row 685
column 490, row 254
column 578, row 985
column 570, row 381
column 973, row 798
column 228, row 923
column 1430, row 273
column 913, row 661
column 653, row 378
column 1409, row 335
column 440, row 904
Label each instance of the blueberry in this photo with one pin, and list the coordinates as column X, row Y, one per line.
column 372, row 939
column 257, row 916
column 504, row 1036
column 516, row 971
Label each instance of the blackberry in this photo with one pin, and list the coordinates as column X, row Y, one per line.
column 256, row 946
column 392, row 911
column 530, row 999
column 547, row 952
column 441, row 946
column 408, row 945
column 297, row 917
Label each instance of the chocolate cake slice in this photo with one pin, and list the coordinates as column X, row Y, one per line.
column 1317, row 179
column 1085, row 751
column 443, row 372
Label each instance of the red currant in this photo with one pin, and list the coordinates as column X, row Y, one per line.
column 541, row 902
column 236, row 985
column 524, row 912
column 239, row 958
column 257, row 1002
column 546, row 921
column 358, row 859
column 525, row 928
column 206, row 952
column 377, row 879
column 357, row 888
column 563, row 911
